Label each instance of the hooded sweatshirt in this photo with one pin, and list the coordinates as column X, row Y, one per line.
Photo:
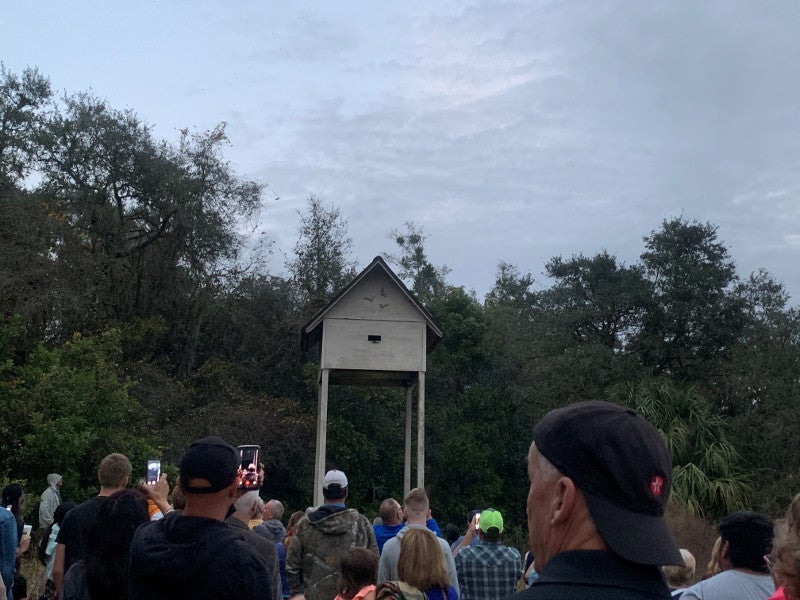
column 195, row 557
column 319, row 542
column 49, row 502
column 272, row 529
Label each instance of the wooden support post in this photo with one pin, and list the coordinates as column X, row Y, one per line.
column 322, row 436
column 407, row 465
column 421, row 430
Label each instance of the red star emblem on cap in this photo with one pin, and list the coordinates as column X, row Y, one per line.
column 656, row 485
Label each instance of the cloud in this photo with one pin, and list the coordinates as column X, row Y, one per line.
column 508, row 130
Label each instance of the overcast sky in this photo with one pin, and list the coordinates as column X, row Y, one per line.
column 511, row 131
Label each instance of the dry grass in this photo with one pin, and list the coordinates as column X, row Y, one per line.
column 34, row 572
column 693, row 533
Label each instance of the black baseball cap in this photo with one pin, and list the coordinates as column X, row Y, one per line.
column 208, row 466
column 623, row 467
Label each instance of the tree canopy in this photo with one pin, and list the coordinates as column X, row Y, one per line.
column 132, row 320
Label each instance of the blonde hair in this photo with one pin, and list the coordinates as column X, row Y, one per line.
column 713, row 566
column 678, row 576
column 786, row 552
column 421, row 562
column 416, row 503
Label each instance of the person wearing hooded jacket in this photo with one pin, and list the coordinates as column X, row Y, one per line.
column 193, row 553
column 321, row 539
column 49, row 501
column 271, row 526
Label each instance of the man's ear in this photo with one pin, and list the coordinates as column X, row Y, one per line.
column 725, row 549
column 233, row 490
column 563, row 501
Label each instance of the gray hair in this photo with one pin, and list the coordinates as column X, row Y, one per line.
column 276, row 507
column 547, row 469
column 247, row 502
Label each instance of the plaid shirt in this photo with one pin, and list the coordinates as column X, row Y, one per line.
column 487, row 571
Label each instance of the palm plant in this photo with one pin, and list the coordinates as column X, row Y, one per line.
column 706, row 473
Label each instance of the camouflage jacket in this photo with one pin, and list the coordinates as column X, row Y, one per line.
column 318, row 543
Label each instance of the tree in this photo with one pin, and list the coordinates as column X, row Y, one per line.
column 322, row 264
column 460, row 358
column 254, row 327
column 22, row 100
column 599, row 300
column 158, row 224
column 424, row 279
column 511, row 288
column 695, row 318
column 65, row 408
column 706, row 472
column 760, row 388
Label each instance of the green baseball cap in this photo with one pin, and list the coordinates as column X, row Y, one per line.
column 491, row 518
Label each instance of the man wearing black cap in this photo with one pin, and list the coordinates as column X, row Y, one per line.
column 599, row 483
column 193, row 554
column 321, row 539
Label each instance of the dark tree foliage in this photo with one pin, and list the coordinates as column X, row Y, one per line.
column 322, row 264
column 695, row 318
column 600, row 301
column 152, row 228
column 23, row 99
column 421, row 276
column 130, row 321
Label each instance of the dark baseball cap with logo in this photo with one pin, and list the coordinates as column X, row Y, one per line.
column 623, row 467
column 208, row 466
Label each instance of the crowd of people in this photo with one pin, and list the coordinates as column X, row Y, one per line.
column 600, row 479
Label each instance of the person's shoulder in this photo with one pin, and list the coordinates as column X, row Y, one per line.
column 87, row 507
column 699, row 589
column 694, row 592
column 466, row 553
column 391, row 545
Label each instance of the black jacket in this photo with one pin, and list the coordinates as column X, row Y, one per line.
column 596, row 575
column 197, row 558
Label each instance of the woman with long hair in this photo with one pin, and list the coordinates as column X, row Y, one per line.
column 103, row 574
column 785, row 556
column 421, row 570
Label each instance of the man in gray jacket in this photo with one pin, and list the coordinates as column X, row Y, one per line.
column 271, row 527
column 417, row 510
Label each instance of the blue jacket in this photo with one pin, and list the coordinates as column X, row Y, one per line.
column 8, row 547
column 383, row 533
